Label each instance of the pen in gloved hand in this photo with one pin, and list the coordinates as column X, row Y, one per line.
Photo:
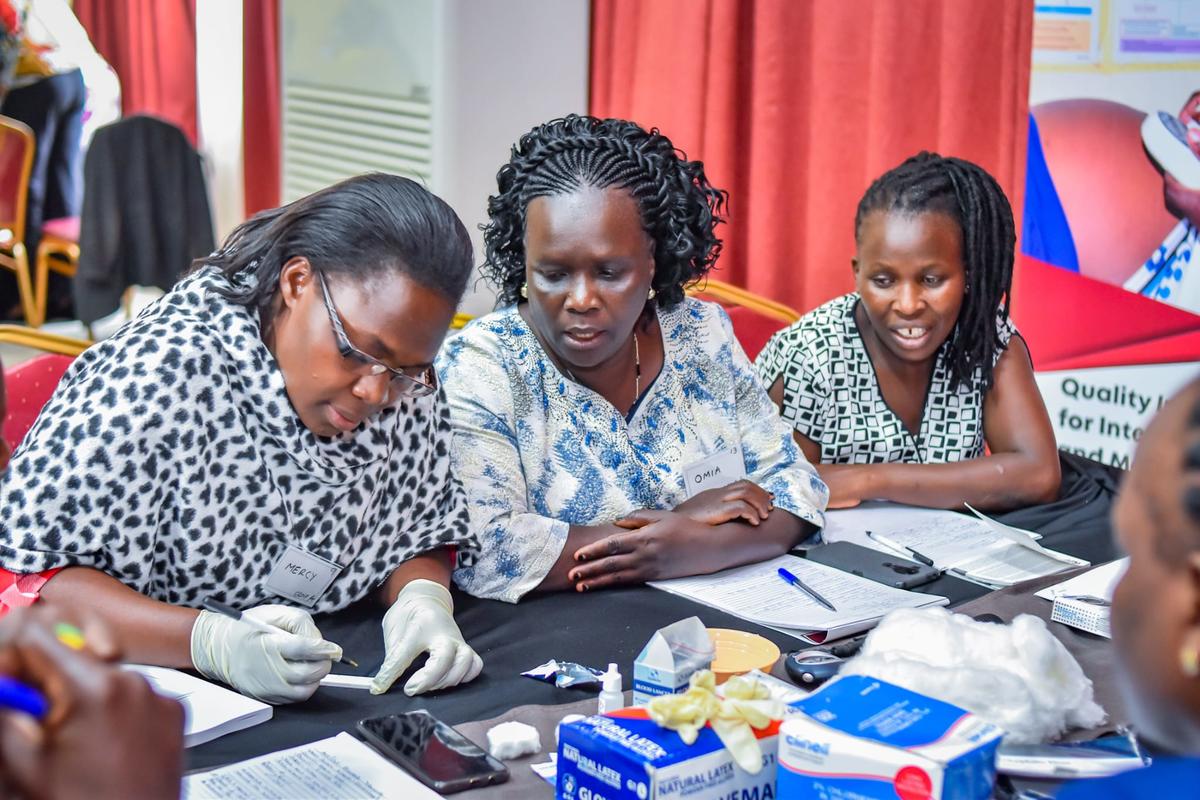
column 217, row 607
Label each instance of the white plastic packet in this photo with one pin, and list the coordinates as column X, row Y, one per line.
column 1017, row 676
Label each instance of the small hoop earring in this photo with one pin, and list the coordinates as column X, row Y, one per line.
column 525, row 291
column 650, row 295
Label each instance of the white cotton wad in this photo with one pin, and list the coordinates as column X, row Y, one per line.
column 510, row 740
column 1017, row 676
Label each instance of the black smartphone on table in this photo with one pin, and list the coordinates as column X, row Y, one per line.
column 433, row 752
column 875, row 565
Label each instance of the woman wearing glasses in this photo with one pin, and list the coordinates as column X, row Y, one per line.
column 268, row 435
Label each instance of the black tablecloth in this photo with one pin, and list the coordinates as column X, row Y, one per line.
column 594, row 629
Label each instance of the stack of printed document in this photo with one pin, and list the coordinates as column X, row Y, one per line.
column 975, row 548
column 1085, row 601
column 338, row 768
column 209, row 710
column 757, row 593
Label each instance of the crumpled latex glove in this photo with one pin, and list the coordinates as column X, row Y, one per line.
column 747, row 706
column 422, row 619
column 285, row 666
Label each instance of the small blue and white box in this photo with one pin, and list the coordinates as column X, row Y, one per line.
column 859, row 738
column 668, row 661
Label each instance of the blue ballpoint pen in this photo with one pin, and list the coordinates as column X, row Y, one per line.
column 19, row 697
column 804, row 587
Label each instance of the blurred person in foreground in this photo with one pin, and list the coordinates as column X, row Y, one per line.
column 1156, row 606
column 106, row 734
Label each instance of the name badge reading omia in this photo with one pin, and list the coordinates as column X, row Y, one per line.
column 301, row 576
column 720, row 469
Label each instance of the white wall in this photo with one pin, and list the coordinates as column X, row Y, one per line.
column 219, row 108
column 506, row 66
column 435, row 89
column 1145, row 90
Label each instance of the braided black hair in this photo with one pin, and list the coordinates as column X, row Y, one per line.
column 679, row 208
column 364, row 226
column 928, row 182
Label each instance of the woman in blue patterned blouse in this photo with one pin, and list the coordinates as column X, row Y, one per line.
column 607, row 429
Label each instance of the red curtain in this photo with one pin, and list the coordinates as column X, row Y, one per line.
column 796, row 106
column 261, row 131
column 151, row 44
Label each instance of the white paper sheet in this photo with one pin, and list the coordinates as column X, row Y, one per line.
column 1098, row 582
column 976, row 548
column 211, row 711
column 338, row 768
column 851, row 524
column 756, row 593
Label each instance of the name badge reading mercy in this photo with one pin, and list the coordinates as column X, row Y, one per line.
column 720, row 469
column 301, row 576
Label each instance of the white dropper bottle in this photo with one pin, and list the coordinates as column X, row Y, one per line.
column 611, row 695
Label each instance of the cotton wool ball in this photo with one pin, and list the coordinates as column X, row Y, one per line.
column 510, row 740
column 1017, row 676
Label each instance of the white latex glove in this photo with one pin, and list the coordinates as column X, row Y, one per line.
column 281, row 667
column 422, row 618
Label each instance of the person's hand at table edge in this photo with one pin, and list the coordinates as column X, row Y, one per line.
column 107, row 734
column 281, row 667
column 662, row 544
column 422, row 620
column 741, row 499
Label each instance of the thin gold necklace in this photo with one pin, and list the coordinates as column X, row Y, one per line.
column 637, row 369
column 637, row 365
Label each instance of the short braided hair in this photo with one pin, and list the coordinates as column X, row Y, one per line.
column 928, row 182
column 680, row 209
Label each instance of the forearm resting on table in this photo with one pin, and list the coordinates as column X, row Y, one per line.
column 730, row 544
column 991, row 483
column 147, row 631
column 739, row 543
column 432, row 566
column 556, row 579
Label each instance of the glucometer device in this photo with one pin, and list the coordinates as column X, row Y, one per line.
column 811, row 668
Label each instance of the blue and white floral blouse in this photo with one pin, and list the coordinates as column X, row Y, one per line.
column 537, row 452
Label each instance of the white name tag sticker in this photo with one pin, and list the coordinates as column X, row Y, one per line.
column 301, row 576
column 720, row 469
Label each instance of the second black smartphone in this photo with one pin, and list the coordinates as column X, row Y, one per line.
column 435, row 753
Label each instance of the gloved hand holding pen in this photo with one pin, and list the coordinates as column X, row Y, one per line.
column 274, row 653
column 422, row 619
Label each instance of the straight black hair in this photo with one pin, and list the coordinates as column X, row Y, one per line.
column 363, row 227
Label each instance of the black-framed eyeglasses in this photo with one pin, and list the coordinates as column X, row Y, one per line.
column 422, row 381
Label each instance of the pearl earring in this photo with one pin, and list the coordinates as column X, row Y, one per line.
column 651, row 293
column 525, row 291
